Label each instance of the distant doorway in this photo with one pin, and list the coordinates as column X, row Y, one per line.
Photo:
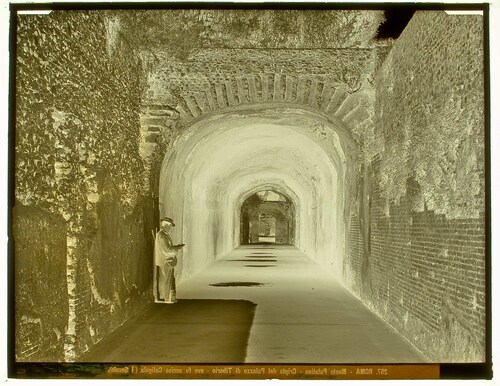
column 267, row 228
column 267, row 217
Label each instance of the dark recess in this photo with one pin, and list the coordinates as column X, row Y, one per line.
column 237, row 284
column 466, row 370
column 395, row 22
column 253, row 260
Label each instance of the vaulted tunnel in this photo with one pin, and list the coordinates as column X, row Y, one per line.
column 374, row 148
column 223, row 159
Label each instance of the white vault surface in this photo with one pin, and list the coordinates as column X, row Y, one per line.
column 221, row 160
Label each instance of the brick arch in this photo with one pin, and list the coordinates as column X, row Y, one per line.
column 335, row 99
column 352, row 105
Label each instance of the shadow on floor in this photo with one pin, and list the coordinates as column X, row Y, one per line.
column 190, row 331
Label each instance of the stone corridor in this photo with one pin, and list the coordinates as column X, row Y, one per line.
column 300, row 316
column 361, row 154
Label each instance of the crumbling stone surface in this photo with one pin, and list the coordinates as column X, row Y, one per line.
column 186, row 30
column 220, row 65
column 335, row 81
column 113, row 267
column 430, row 114
column 424, row 272
column 71, row 117
column 41, row 303
column 77, row 120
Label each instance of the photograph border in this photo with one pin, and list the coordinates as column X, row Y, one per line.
column 109, row 370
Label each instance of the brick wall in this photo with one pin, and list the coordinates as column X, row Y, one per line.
column 354, row 254
column 77, row 157
column 425, row 270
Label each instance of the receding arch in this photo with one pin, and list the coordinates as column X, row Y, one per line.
column 255, row 207
column 217, row 162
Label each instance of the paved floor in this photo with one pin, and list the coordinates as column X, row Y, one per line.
column 190, row 331
column 301, row 315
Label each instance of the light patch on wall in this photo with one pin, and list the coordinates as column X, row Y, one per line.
column 95, row 293
column 480, row 13
column 35, row 12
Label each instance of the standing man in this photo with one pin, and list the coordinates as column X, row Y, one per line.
column 165, row 261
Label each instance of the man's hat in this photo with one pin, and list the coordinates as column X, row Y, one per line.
column 167, row 219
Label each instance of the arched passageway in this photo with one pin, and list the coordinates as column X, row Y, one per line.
column 267, row 216
column 232, row 114
column 222, row 160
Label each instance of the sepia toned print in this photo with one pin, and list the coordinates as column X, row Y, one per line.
column 250, row 186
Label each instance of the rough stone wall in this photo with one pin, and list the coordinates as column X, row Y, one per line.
column 41, row 308
column 424, row 269
column 335, row 81
column 190, row 76
column 430, row 113
column 182, row 31
column 77, row 159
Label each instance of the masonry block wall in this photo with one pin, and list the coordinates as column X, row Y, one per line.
column 82, row 220
column 420, row 260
